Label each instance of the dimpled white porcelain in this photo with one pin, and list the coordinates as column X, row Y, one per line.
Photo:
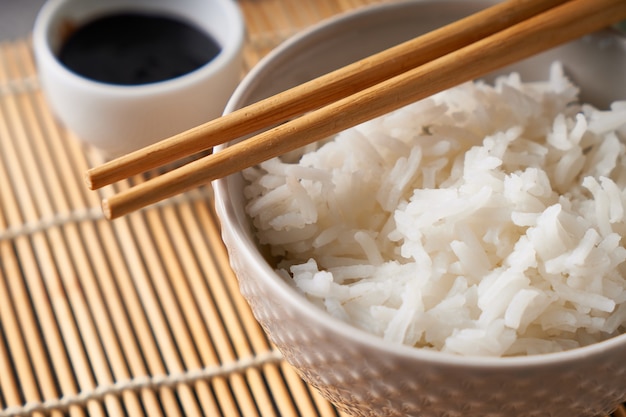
column 359, row 372
column 118, row 119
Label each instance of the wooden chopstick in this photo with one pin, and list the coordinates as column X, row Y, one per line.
column 320, row 91
column 555, row 26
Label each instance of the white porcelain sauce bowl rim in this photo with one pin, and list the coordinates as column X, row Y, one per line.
column 230, row 49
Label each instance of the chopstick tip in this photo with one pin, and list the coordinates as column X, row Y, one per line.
column 106, row 209
column 89, row 180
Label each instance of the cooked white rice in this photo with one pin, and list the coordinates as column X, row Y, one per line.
column 485, row 220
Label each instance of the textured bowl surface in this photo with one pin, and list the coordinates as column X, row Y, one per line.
column 359, row 372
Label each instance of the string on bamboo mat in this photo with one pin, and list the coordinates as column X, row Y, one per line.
column 88, row 214
column 144, row 382
column 24, row 85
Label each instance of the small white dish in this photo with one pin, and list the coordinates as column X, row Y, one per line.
column 118, row 119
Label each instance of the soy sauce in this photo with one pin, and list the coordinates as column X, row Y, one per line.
column 135, row 48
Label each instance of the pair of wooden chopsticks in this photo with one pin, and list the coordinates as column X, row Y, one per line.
column 462, row 51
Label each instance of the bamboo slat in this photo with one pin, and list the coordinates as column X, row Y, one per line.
column 137, row 317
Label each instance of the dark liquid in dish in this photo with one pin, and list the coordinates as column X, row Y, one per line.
column 136, row 48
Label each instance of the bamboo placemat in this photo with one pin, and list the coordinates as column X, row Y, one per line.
column 139, row 316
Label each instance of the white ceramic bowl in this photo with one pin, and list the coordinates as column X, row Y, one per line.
column 118, row 119
column 357, row 371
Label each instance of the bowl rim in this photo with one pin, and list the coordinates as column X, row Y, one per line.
column 247, row 249
column 46, row 57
